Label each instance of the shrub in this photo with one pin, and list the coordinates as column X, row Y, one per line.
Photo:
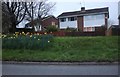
column 51, row 28
column 68, row 29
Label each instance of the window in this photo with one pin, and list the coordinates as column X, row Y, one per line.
column 94, row 17
column 72, row 18
column 99, row 16
column 63, row 19
column 89, row 29
column 53, row 23
column 88, row 17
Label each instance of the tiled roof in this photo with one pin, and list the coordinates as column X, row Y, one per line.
column 35, row 21
column 77, row 13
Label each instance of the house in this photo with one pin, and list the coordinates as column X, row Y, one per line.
column 45, row 22
column 50, row 21
column 85, row 20
column 114, row 30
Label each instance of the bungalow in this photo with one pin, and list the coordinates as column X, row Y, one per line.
column 85, row 20
column 45, row 22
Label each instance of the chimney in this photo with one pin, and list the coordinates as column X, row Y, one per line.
column 82, row 8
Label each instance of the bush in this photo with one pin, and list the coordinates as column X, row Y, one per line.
column 68, row 29
column 25, row 30
column 34, row 42
column 51, row 29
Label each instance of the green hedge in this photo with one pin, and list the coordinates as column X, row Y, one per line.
column 51, row 28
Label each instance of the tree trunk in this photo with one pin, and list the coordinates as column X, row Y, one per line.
column 13, row 25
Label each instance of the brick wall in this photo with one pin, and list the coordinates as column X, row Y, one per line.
column 63, row 33
column 80, row 23
column 49, row 21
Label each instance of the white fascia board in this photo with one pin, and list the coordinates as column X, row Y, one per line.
column 83, row 14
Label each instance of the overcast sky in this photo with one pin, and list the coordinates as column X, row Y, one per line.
column 75, row 5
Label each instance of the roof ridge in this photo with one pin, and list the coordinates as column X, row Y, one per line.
column 87, row 11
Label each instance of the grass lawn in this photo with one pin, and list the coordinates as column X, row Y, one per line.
column 92, row 49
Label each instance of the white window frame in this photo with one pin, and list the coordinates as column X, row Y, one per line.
column 70, row 18
column 89, row 29
column 62, row 19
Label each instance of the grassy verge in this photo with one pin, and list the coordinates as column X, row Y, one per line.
column 97, row 49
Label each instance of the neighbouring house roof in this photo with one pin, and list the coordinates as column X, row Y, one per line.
column 85, row 12
column 115, row 26
column 48, row 17
column 35, row 21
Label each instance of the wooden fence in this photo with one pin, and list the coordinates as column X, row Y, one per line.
column 64, row 33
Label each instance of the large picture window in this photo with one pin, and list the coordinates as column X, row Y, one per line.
column 94, row 17
column 94, row 20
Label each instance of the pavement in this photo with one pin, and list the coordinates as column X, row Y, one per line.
column 36, row 68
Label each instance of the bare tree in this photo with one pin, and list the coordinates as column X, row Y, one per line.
column 6, row 24
column 17, row 13
column 44, row 8
column 30, row 10
column 39, row 10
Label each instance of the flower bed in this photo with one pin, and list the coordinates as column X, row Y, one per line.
column 26, row 41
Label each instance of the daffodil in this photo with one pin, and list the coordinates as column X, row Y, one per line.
column 27, row 33
column 16, row 35
column 5, row 35
column 30, row 35
column 37, row 33
column 48, row 41
column 16, row 32
column 45, row 33
column 23, row 33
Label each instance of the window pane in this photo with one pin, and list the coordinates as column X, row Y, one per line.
column 89, row 29
column 94, row 17
column 53, row 23
column 63, row 19
column 72, row 18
